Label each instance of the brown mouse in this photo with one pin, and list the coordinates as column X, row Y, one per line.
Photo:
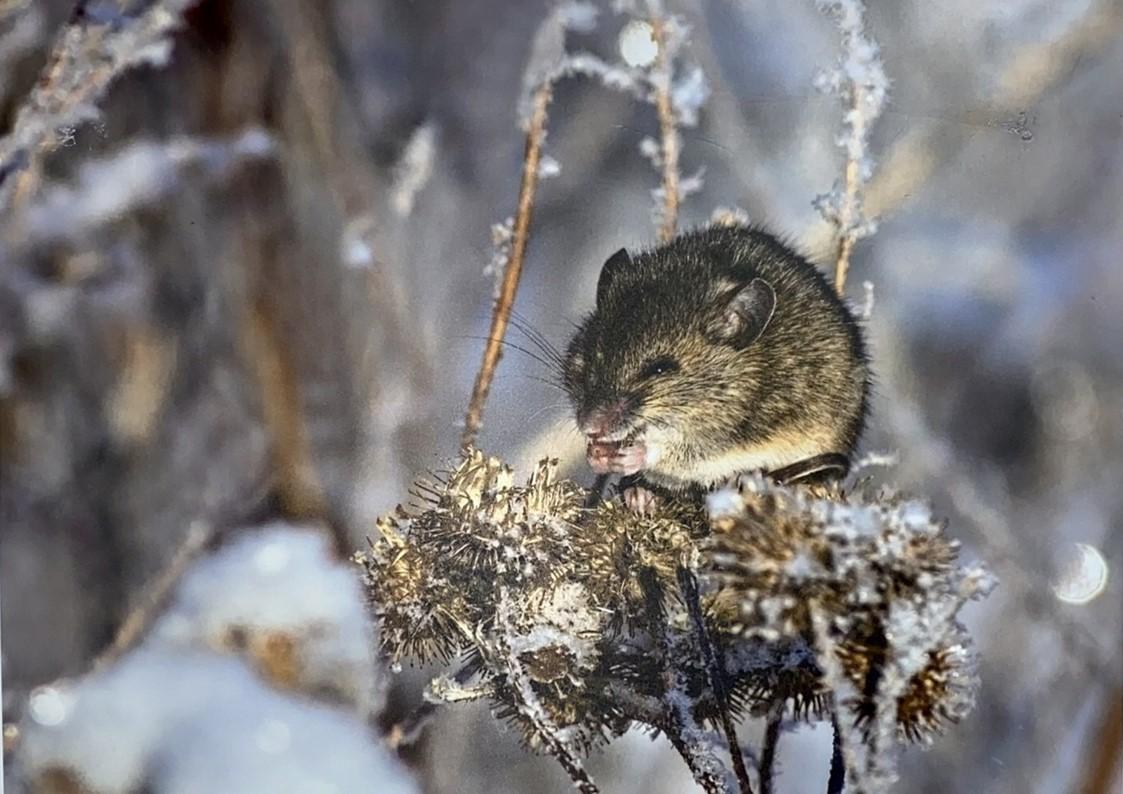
column 720, row 352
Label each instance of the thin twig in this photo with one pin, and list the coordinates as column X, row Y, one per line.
column 668, row 130
column 407, row 730
column 1103, row 766
column 501, row 314
column 298, row 487
column 707, row 768
column 1033, row 72
column 860, row 80
column 87, row 57
column 849, row 212
column 155, row 596
column 716, row 673
column 768, row 750
column 837, row 780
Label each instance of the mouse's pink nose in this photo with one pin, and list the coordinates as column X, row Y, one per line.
column 604, row 420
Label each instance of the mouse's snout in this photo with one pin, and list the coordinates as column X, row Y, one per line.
column 607, row 421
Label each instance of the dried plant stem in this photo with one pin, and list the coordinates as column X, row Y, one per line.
column 1031, row 73
column 155, row 596
column 668, row 131
column 716, row 674
column 837, row 779
column 1104, row 764
column 676, row 721
column 85, row 60
column 849, row 212
column 297, row 485
column 501, row 314
column 768, row 750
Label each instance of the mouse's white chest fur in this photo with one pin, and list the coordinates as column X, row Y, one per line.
column 780, row 450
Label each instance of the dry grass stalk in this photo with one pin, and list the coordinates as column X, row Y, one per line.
column 859, row 80
column 668, row 131
column 501, row 314
column 297, row 485
column 849, row 214
column 1104, row 764
column 155, row 598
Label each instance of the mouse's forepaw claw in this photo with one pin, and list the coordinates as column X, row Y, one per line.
column 640, row 500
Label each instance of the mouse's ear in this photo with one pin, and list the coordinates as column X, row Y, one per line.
column 612, row 266
column 746, row 313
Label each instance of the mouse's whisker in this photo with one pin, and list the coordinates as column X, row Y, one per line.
column 549, row 383
column 531, row 354
column 544, row 409
column 536, row 337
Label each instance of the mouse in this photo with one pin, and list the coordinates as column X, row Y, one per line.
column 720, row 352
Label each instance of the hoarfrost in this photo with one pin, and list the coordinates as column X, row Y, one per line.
column 138, row 175
column 548, row 60
column 548, row 167
column 859, row 79
column 688, row 94
column 502, row 237
column 414, row 168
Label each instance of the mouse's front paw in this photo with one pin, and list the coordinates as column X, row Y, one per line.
column 640, row 500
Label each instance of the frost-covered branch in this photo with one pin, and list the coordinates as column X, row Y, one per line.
column 697, row 749
column 670, row 140
column 860, row 81
column 651, row 47
column 547, row 63
column 715, row 673
column 137, row 176
column 97, row 45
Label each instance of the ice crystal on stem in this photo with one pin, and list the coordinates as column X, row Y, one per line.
column 859, row 80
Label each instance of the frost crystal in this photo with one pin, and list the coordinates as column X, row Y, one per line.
column 414, row 168
column 548, row 167
column 637, row 44
column 548, row 60
column 502, row 236
column 860, row 81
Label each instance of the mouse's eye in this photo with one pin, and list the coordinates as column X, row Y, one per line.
column 658, row 366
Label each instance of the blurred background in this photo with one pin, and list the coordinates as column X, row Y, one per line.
column 254, row 287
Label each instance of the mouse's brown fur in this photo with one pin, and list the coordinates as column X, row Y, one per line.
column 719, row 352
